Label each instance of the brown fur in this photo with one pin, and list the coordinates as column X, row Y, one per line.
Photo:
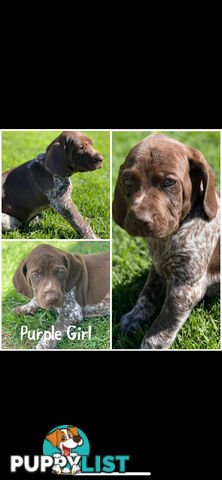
column 214, row 265
column 56, row 272
column 148, row 166
column 166, row 193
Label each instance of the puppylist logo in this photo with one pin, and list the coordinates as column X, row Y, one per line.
column 66, row 451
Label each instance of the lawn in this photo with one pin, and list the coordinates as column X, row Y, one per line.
column 131, row 259
column 12, row 253
column 91, row 190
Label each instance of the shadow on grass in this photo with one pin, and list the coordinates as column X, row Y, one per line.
column 50, row 225
column 124, row 299
column 47, row 226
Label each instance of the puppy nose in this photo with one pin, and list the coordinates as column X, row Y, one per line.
column 97, row 158
column 142, row 219
column 51, row 297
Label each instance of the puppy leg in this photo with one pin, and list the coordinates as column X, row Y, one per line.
column 9, row 222
column 65, row 207
column 27, row 309
column 151, row 297
column 176, row 309
column 69, row 314
column 101, row 309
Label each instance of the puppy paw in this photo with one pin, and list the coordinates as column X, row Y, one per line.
column 91, row 236
column 27, row 309
column 40, row 346
column 130, row 321
column 145, row 345
column 21, row 310
column 153, row 343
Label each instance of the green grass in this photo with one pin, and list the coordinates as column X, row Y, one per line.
column 12, row 254
column 91, row 190
column 131, row 259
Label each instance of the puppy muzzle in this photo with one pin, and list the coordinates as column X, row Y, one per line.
column 95, row 161
column 50, row 300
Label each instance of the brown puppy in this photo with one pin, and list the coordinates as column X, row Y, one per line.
column 76, row 285
column 44, row 182
column 166, row 193
column 157, row 186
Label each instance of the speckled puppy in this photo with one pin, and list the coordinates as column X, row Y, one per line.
column 44, row 182
column 166, row 193
column 76, row 285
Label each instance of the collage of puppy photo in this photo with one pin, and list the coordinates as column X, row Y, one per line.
column 110, row 240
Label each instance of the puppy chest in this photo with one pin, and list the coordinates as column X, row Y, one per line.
column 71, row 309
column 62, row 187
column 186, row 253
column 160, row 252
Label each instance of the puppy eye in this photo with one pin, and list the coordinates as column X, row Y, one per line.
column 81, row 147
column 168, row 183
column 127, row 181
column 35, row 275
column 60, row 273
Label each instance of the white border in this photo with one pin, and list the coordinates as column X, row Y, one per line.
column 111, row 244
column 1, row 249
column 105, row 240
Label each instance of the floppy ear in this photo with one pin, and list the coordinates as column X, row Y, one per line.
column 75, row 266
column 206, row 173
column 56, row 158
column 20, row 281
column 119, row 204
column 73, row 431
column 52, row 437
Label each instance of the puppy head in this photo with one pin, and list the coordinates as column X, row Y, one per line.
column 158, row 184
column 46, row 274
column 72, row 152
column 65, row 439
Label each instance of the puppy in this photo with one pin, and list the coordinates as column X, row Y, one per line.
column 76, row 285
column 44, row 182
column 166, row 193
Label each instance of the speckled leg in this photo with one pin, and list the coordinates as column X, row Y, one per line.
column 28, row 308
column 60, row 199
column 100, row 309
column 147, row 304
column 72, row 215
column 65, row 207
column 176, row 309
column 69, row 314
